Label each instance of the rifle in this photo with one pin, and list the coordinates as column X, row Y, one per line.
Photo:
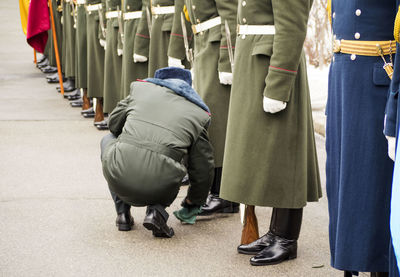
column 148, row 18
column 120, row 24
column 189, row 51
column 229, row 43
column 250, row 224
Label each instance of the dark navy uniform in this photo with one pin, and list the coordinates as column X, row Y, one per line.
column 358, row 169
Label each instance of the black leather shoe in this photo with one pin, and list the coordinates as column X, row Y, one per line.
column 102, row 125
column 87, row 112
column 52, row 76
column 215, row 204
column 77, row 103
column 256, row 246
column 49, row 69
column 155, row 222
column 278, row 251
column 42, row 59
column 68, row 86
column 43, row 64
column 124, row 221
column 74, row 92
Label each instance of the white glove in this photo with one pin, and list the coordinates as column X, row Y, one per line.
column 102, row 43
column 225, row 78
column 391, row 147
column 273, row 106
column 192, row 72
column 139, row 58
column 120, row 52
column 175, row 62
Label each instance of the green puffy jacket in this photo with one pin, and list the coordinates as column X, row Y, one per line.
column 156, row 127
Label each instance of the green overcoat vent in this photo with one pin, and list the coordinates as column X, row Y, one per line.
column 95, row 54
column 271, row 159
column 70, row 41
column 211, row 57
column 112, row 61
column 160, row 34
column 130, row 70
column 81, row 47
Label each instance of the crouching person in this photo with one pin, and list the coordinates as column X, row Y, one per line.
column 162, row 120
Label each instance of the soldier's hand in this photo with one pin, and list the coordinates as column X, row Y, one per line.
column 175, row 62
column 391, row 147
column 225, row 78
column 103, row 43
column 272, row 105
column 139, row 58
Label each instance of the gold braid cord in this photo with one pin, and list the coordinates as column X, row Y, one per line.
column 396, row 29
column 329, row 10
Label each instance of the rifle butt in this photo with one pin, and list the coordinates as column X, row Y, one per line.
column 250, row 228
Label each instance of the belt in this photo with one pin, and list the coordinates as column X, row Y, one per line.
column 163, row 10
column 256, row 30
column 80, row 2
column 208, row 24
column 113, row 14
column 364, row 48
column 92, row 8
column 67, row 1
column 152, row 146
column 132, row 15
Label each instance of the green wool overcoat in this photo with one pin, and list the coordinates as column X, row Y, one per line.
column 271, row 159
column 95, row 53
column 69, row 38
column 57, row 22
column 112, row 61
column 160, row 34
column 142, row 36
column 81, row 47
column 155, row 128
column 211, row 56
column 130, row 70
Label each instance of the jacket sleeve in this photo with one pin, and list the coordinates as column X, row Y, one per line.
column 117, row 118
column 200, row 169
column 391, row 124
column 176, row 48
column 227, row 10
column 290, row 19
column 142, row 36
column 103, row 12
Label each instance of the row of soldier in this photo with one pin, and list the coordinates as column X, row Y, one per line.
column 261, row 130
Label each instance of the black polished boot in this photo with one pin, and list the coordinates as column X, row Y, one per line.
column 49, row 69
column 76, row 103
column 102, row 125
column 124, row 221
column 89, row 113
column 256, row 246
column 156, row 222
column 379, row 274
column 214, row 204
column 285, row 226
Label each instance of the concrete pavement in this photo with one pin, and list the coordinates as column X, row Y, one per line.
column 56, row 214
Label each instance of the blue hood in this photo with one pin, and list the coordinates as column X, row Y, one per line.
column 181, row 88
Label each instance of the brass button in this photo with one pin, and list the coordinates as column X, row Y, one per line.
column 353, row 57
column 243, row 36
column 358, row 12
column 333, row 15
column 193, row 7
column 244, row 20
column 357, row 35
column 127, row 7
column 244, row 3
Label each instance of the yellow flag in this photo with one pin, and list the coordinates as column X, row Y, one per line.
column 24, row 8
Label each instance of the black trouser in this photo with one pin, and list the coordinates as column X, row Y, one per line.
column 121, row 206
column 373, row 274
column 286, row 223
column 216, row 185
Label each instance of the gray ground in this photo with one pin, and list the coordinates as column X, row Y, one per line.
column 57, row 217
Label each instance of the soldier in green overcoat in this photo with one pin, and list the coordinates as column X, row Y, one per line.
column 130, row 70
column 162, row 17
column 112, row 61
column 95, row 56
column 68, row 17
column 212, row 79
column 176, row 49
column 270, row 155
column 81, row 53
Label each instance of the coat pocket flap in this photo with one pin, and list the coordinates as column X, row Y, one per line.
column 263, row 47
column 167, row 23
column 380, row 77
column 214, row 34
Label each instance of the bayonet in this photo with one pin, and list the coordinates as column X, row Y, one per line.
column 148, row 18
column 101, row 19
column 189, row 51
column 229, row 43
column 120, row 24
